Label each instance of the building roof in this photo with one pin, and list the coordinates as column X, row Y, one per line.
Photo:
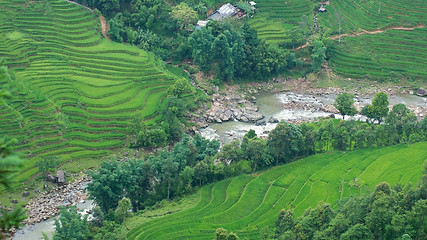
column 202, row 23
column 225, row 11
column 252, row 3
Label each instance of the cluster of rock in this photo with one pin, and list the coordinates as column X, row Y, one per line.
column 231, row 107
column 47, row 204
column 421, row 92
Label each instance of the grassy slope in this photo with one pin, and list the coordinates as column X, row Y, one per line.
column 393, row 55
column 246, row 203
column 75, row 92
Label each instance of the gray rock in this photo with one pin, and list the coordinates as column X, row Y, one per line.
column 25, row 194
column 51, row 179
column 60, row 177
column 260, row 122
column 244, row 119
column 226, row 115
column 252, row 116
column 421, row 92
column 273, row 120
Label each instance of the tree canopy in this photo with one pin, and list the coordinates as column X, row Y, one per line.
column 344, row 104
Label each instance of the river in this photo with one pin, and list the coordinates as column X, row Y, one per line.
column 305, row 108
column 34, row 232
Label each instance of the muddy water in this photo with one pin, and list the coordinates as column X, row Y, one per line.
column 272, row 105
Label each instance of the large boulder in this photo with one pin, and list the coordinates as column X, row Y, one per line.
column 273, row 120
column 421, row 92
column 260, row 122
column 51, row 178
column 60, row 177
column 252, row 116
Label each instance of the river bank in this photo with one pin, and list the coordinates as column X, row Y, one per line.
column 287, row 100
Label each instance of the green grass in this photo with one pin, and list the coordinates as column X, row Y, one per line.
column 74, row 91
column 247, row 203
column 392, row 55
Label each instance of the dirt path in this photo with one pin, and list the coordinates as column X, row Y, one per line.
column 363, row 32
column 104, row 27
column 79, row 5
column 170, row 5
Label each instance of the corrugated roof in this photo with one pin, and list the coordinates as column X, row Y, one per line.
column 227, row 10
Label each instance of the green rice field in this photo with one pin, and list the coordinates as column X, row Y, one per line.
column 394, row 54
column 247, row 203
column 74, row 91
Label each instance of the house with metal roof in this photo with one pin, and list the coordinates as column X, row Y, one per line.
column 225, row 11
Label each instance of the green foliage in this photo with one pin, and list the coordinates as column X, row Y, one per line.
column 11, row 163
column 144, row 182
column 318, row 55
column 123, row 210
column 107, row 186
column 181, row 87
column 70, row 225
column 333, row 177
column 233, row 51
column 47, row 165
column 222, row 234
column 378, row 110
column 344, row 104
column 285, row 142
column 184, row 14
column 11, row 219
column 384, row 214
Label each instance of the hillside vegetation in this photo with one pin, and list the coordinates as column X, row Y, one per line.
column 380, row 40
column 74, row 91
column 247, row 203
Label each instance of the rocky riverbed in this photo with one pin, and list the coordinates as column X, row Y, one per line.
column 47, row 204
column 293, row 107
column 240, row 104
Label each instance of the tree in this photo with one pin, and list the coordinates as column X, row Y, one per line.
column 180, row 87
column 123, row 210
column 380, row 106
column 184, row 14
column 358, row 231
column 10, row 164
column 378, row 109
column 285, row 142
column 256, row 151
column 344, row 104
column 285, row 221
column 222, row 234
column 107, row 186
column 318, row 55
column 71, row 225
column 47, row 165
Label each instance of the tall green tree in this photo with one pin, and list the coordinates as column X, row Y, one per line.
column 318, row 55
column 285, row 142
column 344, row 104
column 70, row 225
column 107, row 186
column 184, row 14
column 378, row 110
column 10, row 164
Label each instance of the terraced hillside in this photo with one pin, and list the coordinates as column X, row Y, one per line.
column 246, row 203
column 357, row 15
column 75, row 91
column 271, row 31
column 277, row 16
column 393, row 54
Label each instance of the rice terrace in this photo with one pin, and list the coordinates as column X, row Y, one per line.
column 249, row 202
column 213, row 119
